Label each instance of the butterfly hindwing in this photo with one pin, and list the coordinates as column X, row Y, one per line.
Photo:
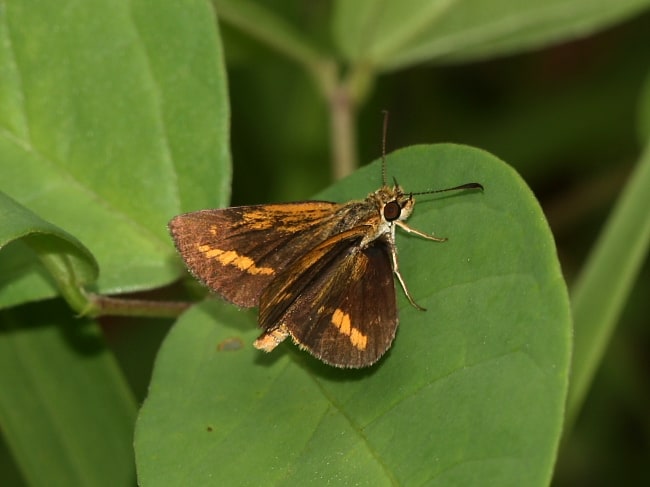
column 341, row 307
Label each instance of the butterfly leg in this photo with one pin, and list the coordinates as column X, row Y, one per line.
column 393, row 253
column 393, row 257
column 408, row 229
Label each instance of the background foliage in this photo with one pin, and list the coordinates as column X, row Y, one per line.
column 109, row 110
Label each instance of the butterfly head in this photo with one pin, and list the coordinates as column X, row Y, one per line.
column 394, row 204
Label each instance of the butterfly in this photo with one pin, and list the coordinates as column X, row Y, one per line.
column 320, row 272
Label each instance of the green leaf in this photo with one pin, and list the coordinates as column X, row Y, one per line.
column 471, row 393
column 644, row 111
column 65, row 264
column 109, row 108
column 605, row 282
column 66, row 411
column 393, row 34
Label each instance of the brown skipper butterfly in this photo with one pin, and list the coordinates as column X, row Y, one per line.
column 319, row 272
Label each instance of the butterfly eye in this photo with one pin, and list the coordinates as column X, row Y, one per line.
column 392, row 211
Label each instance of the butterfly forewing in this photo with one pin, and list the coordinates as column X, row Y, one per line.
column 238, row 251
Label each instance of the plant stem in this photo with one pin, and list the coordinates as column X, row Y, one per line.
column 110, row 306
column 343, row 136
column 343, row 97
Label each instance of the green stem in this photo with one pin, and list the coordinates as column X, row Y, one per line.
column 112, row 306
column 343, row 136
column 343, row 99
column 263, row 24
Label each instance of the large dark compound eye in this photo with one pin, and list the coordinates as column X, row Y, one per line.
column 392, row 210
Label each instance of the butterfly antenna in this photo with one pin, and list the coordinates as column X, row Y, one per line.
column 383, row 148
column 455, row 188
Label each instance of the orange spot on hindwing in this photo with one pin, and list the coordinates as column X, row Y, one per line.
column 341, row 321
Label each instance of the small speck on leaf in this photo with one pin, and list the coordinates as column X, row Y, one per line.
column 230, row 345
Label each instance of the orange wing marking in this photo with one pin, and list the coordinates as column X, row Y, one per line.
column 230, row 257
column 341, row 321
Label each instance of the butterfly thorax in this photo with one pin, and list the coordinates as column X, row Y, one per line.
column 379, row 211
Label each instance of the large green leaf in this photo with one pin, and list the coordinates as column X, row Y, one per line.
column 472, row 392
column 108, row 109
column 389, row 34
column 65, row 409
